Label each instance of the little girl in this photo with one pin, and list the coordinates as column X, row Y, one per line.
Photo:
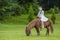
column 41, row 16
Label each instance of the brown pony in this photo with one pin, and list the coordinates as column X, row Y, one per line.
column 36, row 23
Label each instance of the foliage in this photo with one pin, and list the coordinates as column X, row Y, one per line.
column 47, row 4
column 53, row 17
column 35, row 6
column 9, row 8
column 56, row 9
column 31, row 13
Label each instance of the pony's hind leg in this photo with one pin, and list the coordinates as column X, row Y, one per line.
column 37, row 29
column 47, row 32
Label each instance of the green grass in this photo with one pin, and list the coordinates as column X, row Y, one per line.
column 16, row 19
column 17, row 32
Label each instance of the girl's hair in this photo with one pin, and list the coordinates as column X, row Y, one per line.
column 42, row 7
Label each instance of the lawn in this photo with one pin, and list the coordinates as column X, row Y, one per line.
column 17, row 32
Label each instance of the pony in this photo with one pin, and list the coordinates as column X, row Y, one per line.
column 36, row 23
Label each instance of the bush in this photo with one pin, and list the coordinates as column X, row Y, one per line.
column 31, row 13
column 53, row 17
column 56, row 9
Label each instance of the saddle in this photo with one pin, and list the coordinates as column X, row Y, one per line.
column 46, row 23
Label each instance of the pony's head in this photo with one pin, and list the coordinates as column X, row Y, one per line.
column 27, row 31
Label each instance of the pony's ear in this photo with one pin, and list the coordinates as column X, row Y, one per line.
column 26, row 28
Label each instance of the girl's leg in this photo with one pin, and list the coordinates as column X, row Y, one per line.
column 42, row 24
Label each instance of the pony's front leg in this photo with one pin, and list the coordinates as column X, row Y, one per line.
column 37, row 29
column 47, row 32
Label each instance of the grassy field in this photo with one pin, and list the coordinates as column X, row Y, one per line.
column 17, row 32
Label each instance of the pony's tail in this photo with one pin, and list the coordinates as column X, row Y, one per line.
column 51, row 26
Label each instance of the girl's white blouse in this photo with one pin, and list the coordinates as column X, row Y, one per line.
column 41, row 15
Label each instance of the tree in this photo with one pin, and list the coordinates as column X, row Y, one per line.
column 53, row 17
column 49, row 3
column 31, row 13
column 35, row 6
